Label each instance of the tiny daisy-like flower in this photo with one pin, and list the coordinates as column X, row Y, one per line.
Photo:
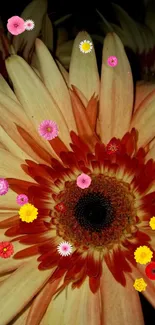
column 64, row 248
column 6, row 249
column 140, row 285
column 28, row 213
column 150, row 270
column 29, row 24
column 83, row 181
column 16, row 25
column 152, row 223
column 112, row 61
column 143, row 255
column 60, row 207
column 86, row 46
column 4, row 186
column 113, row 146
column 22, row 199
column 48, row 129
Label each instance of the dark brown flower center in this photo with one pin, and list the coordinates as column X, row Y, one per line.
column 94, row 211
column 98, row 215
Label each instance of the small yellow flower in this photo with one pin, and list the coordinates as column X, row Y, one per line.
column 140, row 284
column 28, row 213
column 152, row 223
column 143, row 255
column 85, row 46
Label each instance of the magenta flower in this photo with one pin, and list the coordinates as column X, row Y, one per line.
column 22, row 199
column 83, row 181
column 6, row 249
column 112, row 61
column 16, row 25
column 48, row 129
column 4, row 186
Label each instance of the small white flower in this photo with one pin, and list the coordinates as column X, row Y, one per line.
column 29, row 24
column 64, row 248
column 86, row 46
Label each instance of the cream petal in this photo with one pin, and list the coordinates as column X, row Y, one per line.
column 121, row 305
column 53, row 81
column 25, row 41
column 34, row 97
column 151, row 152
column 83, row 72
column 116, row 93
column 143, row 120
column 20, row 288
column 38, row 308
column 8, row 201
column 11, row 146
column 143, row 89
column 10, row 166
column 11, row 263
column 64, row 72
column 13, row 115
column 21, row 318
column 4, row 87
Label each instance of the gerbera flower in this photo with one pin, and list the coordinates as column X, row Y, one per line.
column 152, row 223
column 106, row 222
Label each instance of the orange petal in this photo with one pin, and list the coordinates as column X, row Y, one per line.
column 143, row 89
column 83, row 125
column 92, row 110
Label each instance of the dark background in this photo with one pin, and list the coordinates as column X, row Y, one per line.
column 84, row 17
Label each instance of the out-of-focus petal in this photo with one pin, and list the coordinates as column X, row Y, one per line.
column 47, row 32
column 24, row 42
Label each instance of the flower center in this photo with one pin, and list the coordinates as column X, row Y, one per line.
column 16, row 25
column 98, row 215
column 93, row 211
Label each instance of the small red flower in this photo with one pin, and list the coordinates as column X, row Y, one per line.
column 6, row 249
column 60, row 207
column 150, row 270
column 113, row 146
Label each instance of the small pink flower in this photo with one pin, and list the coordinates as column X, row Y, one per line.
column 48, row 129
column 6, row 249
column 112, row 61
column 22, row 199
column 29, row 24
column 64, row 248
column 16, row 25
column 4, row 186
column 83, row 181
